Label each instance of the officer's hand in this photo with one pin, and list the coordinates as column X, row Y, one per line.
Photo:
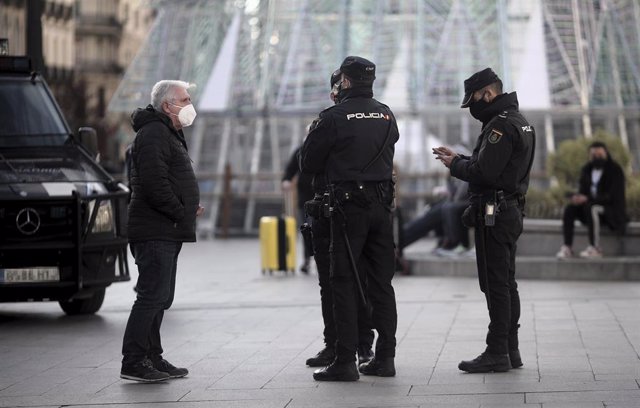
column 286, row 185
column 443, row 150
column 578, row 199
column 200, row 210
column 445, row 155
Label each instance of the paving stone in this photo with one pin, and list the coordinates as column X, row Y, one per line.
column 581, row 404
column 530, row 387
column 204, row 404
column 245, row 338
column 625, row 396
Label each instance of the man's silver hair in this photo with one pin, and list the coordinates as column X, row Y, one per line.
column 165, row 90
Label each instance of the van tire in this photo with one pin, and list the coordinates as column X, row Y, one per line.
column 84, row 306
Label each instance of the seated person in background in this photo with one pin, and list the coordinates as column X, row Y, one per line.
column 600, row 198
column 443, row 217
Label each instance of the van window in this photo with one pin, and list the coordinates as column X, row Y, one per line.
column 28, row 116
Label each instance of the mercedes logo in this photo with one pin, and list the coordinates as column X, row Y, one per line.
column 28, row 221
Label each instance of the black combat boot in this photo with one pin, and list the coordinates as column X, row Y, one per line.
column 486, row 363
column 323, row 358
column 364, row 354
column 337, row 372
column 516, row 360
column 382, row 367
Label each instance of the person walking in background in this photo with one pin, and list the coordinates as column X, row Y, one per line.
column 305, row 193
column 498, row 175
column 162, row 215
column 600, row 198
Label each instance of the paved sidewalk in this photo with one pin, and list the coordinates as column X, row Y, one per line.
column 245, row 337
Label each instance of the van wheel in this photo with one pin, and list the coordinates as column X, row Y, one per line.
column 88, row 305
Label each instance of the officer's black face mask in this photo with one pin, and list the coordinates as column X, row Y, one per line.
column 477, row 108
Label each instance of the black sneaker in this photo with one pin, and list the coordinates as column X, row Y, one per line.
column 486, row 363
column 143, row 371
column 337, row 372
column 382, row 367
column 167, row 367
column 516, row 360
column 364, row 354
column 323, row 358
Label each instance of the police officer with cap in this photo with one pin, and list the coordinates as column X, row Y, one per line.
column 321, row 243
column 352, row 144
column 498, row 175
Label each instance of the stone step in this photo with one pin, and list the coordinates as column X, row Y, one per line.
column 533, row 267
column 543, row 237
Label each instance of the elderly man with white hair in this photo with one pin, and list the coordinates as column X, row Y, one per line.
column 162, row 215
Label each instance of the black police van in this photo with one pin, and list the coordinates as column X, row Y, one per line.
column 62, row 216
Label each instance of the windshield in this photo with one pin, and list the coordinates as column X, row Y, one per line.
column 28, row 115
column 47, row 164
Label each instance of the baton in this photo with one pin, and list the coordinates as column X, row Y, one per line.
column 482, row 265
column 353, row 266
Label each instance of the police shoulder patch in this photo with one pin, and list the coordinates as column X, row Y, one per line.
column 495, row 136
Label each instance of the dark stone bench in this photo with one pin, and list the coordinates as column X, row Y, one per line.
column 542, row 237
column 536, row 259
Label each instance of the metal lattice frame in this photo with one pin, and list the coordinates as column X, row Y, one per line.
column 286, row 50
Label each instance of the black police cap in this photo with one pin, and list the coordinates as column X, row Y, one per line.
column 358, row 69
column 476, row 82
column 335, row 77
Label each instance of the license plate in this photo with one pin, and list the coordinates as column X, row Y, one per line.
column 23, row 275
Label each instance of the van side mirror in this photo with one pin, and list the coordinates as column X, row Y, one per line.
column 88, row 138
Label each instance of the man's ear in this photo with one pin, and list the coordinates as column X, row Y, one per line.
column 165, row 107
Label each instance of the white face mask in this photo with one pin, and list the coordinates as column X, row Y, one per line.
column 186, row 115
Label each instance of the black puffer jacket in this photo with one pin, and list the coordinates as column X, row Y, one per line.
column 165, row 194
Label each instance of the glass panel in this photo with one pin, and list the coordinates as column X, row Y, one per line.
column 28, row 116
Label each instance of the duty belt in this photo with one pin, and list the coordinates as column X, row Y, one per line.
column 509, row 203
column 359, row 191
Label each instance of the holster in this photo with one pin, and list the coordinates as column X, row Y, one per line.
column 307, row 235
column 470, row 216
column 319, row 207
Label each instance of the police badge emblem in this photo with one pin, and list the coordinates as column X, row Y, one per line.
column 495, row 136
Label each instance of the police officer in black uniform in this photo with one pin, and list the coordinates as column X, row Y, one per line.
column 352, row 144
column 321, row 243
column 498, row 176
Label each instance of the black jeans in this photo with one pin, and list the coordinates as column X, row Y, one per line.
column 157, row 264
column 371, row 238
column 583, row 214
column 321, row 240
column 421, row 226
column 455, row 233
column 499, row 284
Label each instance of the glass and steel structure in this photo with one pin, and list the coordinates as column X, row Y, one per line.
column 262, row 71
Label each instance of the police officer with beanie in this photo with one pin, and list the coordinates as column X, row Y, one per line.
column 498, row 176
column 352, row 144
column 321, row 243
